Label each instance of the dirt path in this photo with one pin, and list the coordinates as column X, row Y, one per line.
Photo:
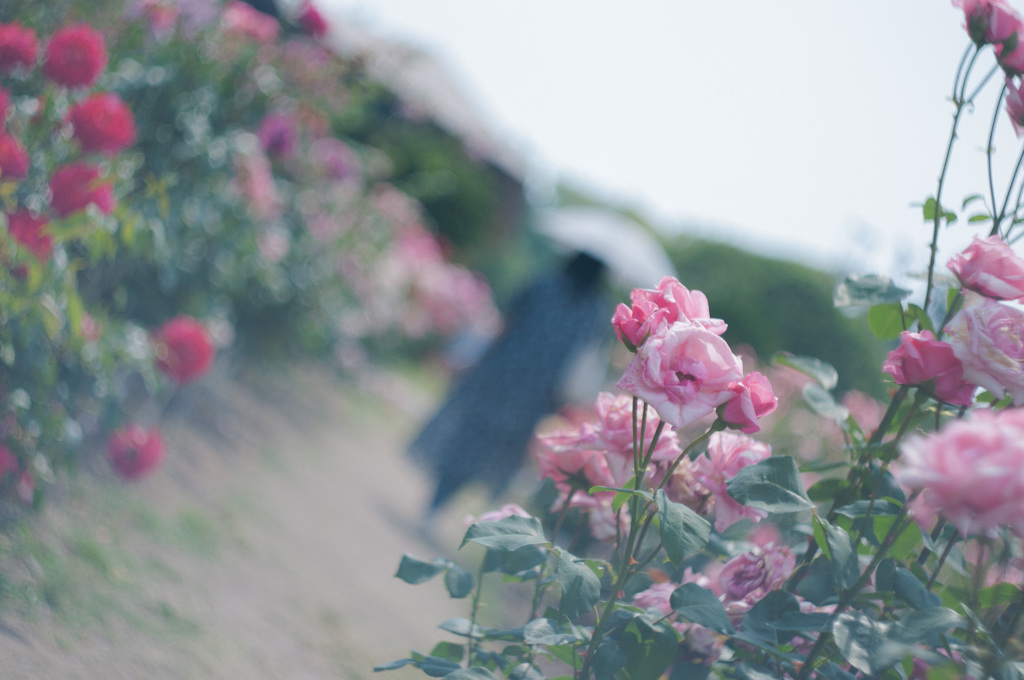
column 264, row 548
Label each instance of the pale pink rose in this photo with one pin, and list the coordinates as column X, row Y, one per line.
column 747, row 578
column 614, row 429
column 752, row 399
column 670, row 302
column 990, row 267
column 727, row 454
column 971, row 472
column 1015, row 106
column 684, row 371
column 507, row 510
column 254, row 182
column 683, row 487
column 988, row 21
column 921, row 358
column 571, row 461
column 988, row 338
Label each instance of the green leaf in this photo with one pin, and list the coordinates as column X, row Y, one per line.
column 822, row 372
column 980, row 217
column 998, row 595
column 861, row 508
column 581, row 589
column 516, row 562
column 918, row 314
column 414, row 570
column 392, row 665
column 928, row 209
column 458, row 581
column 843, row 555
column 548, row 632
column 449, row 650
column 826, row 489
column 763, row 619
column 886, row 320
column 683, row 531
column 824, row 404
column 525, row 671
column 921, row 625
column 866, row 291
column 689, row 670
column 435, row 667
column 609, row 659
column 971, row 199
column 508, row 534
column 474, row 673
column 773, row 485
column 649, row 648
column 859, row 637
column 909, row 588
column 699, row 605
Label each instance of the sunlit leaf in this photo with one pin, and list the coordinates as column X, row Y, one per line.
column 683, row 531
column 510, row 533
column 773, row 484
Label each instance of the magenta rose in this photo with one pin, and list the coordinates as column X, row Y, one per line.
column 241, row 19
column 971, row 472
column 311, row 21
column 278, row 135
column 752, row 399
column 727, row 454
column 921, row 358
column 134, row 450
column 75, row 56
column 988, row 338
column 103, row 123
column 684, row 371
column 14, row 161
column 990, row 267
column 988, row 21
column 1015, row 106
column 30, row 231
column 184, row 350
column 18, row 47
column 75, row 185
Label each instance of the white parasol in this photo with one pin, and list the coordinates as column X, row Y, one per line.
column 624, row 245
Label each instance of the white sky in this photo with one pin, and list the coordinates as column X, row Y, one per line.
column 805, row 128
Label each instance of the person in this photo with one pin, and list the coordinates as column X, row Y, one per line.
column 482, row 430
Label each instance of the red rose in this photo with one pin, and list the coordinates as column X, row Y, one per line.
column 134, row 450
column 184, row 351
column 18, row 47
column 30, row 232
column 103, row 123
column 76, row 185
column 311, row 21
column 14, row 161
column 75, row 56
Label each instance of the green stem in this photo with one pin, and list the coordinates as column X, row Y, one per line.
column 942, row 561
column 988, row 153
column 472, row 615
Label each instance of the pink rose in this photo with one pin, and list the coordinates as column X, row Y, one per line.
column 684, row 371
column 103, row 123
column 241, row 19
column 278, row 135
column 614, row 429
column 727, row 454
column 75, row 56
column 1015, row 106
column 971, row 472
column 14, row 160
column 921, row 358
column 75, row 185
column 134, row 450
column 670, row 302
column 1010, row 54
column 311, row 21
column 507, row 510
column 988, row 21
column 184, row 350
column 988, row 338
column 18, row 47
column 570, row 460
column 30, row 231
column 753, row 398
column 990, row 267
column 747, row 578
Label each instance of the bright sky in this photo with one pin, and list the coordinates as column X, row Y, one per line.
column 804, row 128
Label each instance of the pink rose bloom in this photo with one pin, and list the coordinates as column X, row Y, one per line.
column 18, row 47
column 747, row 578
column 752, row 399
column 335, row 158
column 921, row 358
column 605, row 523
column 14, row 161
column 988, row 21
column 30, row 231
column 8, row 463
column 75, row 185
column 1012, row 61
column 990, row 267
column 184, row 349
column 614, row 429
column 242, row 19
column 683, row 487
column 103, row 123
column 311, row 21
column 254, row 181
column 727, row 454
column 570, row 460
column 507, row 510
column 75, row 56
column 684, row 371
column 670, row 302
column 134, row 450
column 971, row 472
column 988, row 338
column 1015, row 106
